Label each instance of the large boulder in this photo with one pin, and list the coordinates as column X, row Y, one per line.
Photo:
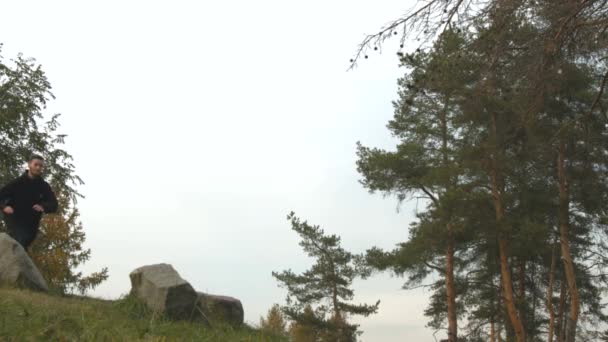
column 16, row 267
column 164, row 291
column 221, row 308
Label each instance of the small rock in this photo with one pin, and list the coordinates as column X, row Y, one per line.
column 223, row 308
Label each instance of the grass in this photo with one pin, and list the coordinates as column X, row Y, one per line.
column 31, row 316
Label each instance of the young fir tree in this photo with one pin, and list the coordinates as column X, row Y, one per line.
column 58, row 250
column 327, row 285
column 306, row 328
column 24, row 92
column 274, row 322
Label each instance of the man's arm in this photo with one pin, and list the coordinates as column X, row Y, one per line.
column 49, row 201
column 6, row 193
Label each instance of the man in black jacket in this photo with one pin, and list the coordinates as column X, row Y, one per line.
column 24, row 200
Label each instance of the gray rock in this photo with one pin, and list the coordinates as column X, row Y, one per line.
column 222, row 308
column 164, row 291
column 16, row 267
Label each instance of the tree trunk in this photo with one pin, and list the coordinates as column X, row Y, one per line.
column 449, row 269
column 564, row 225
column 504, row 267
column 522, row 279
column 521, row 294
column 532, row 320
column 508, row 291
column 565, row 321
column 550, row 296
column 449, row 284
column 501, row 317
column 507, row 283
column 492, row 332
column 562, row 304
column 334, row 298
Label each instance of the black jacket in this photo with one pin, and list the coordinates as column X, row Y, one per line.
column 22, row 193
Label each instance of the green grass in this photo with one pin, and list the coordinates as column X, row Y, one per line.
column 31, row 316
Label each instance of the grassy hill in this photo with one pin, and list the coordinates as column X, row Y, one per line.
column 30, row 316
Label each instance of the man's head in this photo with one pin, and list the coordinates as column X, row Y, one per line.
column 36, row 165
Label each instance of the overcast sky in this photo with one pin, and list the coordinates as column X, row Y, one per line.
column 198, row 126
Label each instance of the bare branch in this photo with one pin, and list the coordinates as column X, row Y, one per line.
column 599, row 96
column 426, row 20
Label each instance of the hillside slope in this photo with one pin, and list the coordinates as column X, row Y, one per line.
column 30, row 316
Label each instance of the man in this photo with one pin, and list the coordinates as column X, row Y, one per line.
column 24, row 200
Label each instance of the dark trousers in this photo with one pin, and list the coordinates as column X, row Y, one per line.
column 21, row 232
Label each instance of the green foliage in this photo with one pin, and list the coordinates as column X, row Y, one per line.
column 481, row 118
column 58, row 251
column 306, row 329
column 327, row 284
column 24, row 93
column 274, row 322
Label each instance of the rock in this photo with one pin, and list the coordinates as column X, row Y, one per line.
column 164, row 291
column 222, row 308
column 16, row 267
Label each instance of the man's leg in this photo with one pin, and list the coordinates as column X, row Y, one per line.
column 22, row 233
column 30, row 236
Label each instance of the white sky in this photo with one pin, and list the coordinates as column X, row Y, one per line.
column 198, row 126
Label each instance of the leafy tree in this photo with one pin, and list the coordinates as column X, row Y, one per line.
column 326, row 284
column 24, row 93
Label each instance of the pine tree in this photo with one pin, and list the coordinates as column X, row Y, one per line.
column 326, row 284
column 306, row 328
column 530, row 154
column 425, row 163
